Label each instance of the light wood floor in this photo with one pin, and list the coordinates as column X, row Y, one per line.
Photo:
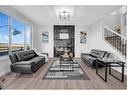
column 27, row 81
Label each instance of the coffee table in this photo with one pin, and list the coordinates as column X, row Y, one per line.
column 66, row 64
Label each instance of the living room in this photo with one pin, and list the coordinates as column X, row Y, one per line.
column 63, row 47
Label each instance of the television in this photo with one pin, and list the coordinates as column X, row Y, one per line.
column 64, row 36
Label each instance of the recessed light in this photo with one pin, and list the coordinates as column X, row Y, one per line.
column 113, row 13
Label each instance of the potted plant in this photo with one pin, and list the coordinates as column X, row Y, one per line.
column 117, row 29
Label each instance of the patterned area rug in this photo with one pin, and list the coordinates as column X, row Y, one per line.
column 66, row 71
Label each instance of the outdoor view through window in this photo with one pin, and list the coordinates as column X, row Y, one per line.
column 17, row 39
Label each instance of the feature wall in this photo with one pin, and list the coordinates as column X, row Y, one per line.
column 49, row 47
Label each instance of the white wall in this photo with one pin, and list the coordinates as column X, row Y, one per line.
column 34, row 36
column 112, row 21
column 48, row 47
column 45, row 47
column 5, row 61
column 126, row 23
column 81, row 48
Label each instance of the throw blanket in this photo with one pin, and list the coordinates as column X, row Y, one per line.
column 40, row 54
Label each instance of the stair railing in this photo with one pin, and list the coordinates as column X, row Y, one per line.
column 118, row 41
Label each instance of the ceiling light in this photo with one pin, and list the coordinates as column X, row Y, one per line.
column 123, row 9
column 64, row 16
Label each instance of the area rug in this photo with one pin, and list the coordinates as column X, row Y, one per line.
column 66, row 72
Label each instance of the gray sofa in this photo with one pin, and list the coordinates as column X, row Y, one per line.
column 26, row 62
column 90, row 59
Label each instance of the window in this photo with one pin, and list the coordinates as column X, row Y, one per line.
column 28, row 37
column 4, row 34
column 18, row 36
column 15, row 39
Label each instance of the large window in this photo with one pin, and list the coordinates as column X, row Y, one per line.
column 17, row 38
column 14, row 36
column 4, row 34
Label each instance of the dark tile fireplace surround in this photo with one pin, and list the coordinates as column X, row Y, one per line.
column 64, row 40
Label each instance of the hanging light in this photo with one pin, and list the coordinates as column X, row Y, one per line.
column 15, row 31
column 64, row 16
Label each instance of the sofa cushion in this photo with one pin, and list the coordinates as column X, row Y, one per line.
column 98, row 53
column 26, row 55
column 87, row 57
column 13, row 58
column 23, row 63
column 36, row 59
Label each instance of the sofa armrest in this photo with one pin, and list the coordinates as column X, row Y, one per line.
column 85, row 54
column 99, row 59
column 45, row 54
column 22, row 67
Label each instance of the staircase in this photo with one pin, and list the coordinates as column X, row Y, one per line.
column 118, row 42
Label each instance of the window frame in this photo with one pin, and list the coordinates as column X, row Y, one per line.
column 8, row 33
column 25, row 41
column 13, row 18
column 10, row 17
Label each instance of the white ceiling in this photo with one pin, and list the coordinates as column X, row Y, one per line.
column 47, row 15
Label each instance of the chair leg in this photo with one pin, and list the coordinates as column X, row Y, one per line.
column 16, row 74
column 0, row 86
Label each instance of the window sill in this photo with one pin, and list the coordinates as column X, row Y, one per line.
column 4, row 57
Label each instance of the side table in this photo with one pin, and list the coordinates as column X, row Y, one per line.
column 107, row 65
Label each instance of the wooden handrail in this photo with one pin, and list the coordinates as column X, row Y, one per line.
column 115, row 32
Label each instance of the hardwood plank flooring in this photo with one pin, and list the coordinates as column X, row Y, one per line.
column 28, row 81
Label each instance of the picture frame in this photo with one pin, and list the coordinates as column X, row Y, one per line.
column 45, row 37
column 83, row 37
